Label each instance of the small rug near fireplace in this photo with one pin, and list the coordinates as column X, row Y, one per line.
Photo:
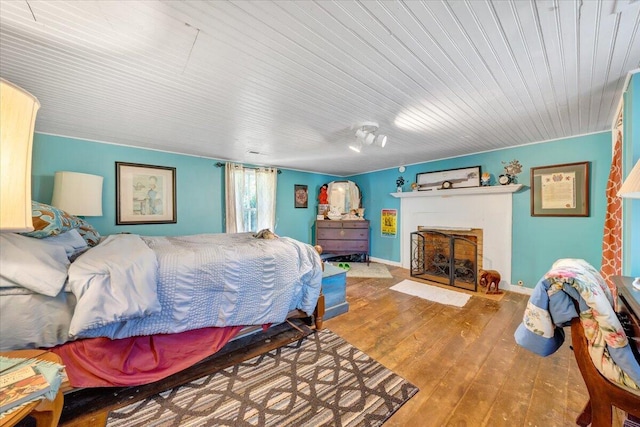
column 432, row 293
column 373, row 270
column 318, row 380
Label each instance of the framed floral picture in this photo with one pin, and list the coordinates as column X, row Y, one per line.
column 301, row 196
column 145, row 194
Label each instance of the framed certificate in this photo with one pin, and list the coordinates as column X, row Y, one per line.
column 560, row 190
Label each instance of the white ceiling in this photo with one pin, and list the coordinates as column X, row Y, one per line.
column 292, row 79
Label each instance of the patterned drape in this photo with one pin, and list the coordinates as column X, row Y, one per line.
column 612, row 240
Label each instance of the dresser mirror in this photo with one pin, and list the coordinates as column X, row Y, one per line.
column 344, row 196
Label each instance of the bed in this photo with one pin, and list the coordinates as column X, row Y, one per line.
column 100, row 301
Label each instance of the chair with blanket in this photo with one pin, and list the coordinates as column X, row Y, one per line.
column 574, row 293
column 603, row 394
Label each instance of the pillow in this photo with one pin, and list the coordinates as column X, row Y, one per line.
column 32, row 264
column 70, row 241
column 88, row 233
column 50, row 221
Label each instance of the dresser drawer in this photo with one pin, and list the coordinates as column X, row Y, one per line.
column 327, row 223
column 356, row 224
column 343, row 237
column 356, row 246
column 343, row 234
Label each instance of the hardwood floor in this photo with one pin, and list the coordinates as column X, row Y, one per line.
column 465, row 360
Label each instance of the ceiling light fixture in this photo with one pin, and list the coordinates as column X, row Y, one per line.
column 366, row 135
column 381, row 140
column 355, row 148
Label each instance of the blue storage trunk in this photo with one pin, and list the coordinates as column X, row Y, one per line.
column 334, row 288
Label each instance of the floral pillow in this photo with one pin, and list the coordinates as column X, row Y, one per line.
column 88, row 233
column 51, row 221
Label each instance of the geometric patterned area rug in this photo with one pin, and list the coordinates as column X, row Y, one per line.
column 318, row 380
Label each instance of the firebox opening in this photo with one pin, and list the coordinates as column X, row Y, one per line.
column 447, row 256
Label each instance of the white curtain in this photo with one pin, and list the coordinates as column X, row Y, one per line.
column 266, row 181
column 234, row 195
column 238, row 191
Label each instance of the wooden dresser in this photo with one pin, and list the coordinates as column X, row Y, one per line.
column 343, row 237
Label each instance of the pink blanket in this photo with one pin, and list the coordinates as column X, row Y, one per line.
column 102, row 362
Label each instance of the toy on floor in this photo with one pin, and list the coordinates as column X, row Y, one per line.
column 344, row 266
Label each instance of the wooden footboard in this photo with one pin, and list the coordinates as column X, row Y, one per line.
column 318, row 313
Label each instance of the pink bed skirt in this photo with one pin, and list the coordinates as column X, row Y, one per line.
column 102, row 362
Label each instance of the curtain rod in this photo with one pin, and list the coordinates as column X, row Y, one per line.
column 220, row 164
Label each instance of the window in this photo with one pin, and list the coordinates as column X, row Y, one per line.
column 250, row 198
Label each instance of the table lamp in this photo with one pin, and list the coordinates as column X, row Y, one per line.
column 631, row 189
column 77, row 193
column 18, row 109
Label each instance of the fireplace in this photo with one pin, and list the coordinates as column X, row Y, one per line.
column 450, row 256
column 488, row 208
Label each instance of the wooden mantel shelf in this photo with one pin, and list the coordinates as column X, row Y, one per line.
column 494, row 189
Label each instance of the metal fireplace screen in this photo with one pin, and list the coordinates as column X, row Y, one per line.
column 445, row 258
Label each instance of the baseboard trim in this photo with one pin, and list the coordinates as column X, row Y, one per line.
column 386, row 261
column 517, row 289
column 507, row 287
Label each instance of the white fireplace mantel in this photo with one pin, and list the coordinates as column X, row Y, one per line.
column 488, row 208
column 495, row 189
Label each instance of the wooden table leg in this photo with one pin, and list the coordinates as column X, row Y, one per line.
column 584, row 419
column 47, row 413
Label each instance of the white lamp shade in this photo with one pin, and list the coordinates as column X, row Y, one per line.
column 18, row 110
column 78, row 193
column 631, row 186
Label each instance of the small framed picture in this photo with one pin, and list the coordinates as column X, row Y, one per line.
column 560, row 190
column 145, row 194
column 300, row 196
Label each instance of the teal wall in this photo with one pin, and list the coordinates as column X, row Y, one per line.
column 298, row 222
column 631, row 154
column 199, row 187
column 537, row 241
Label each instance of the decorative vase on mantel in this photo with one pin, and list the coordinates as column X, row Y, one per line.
column 399, row 189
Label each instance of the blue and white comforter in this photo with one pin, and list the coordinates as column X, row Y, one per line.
column 131, row 285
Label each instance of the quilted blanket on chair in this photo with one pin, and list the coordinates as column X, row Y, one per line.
column 551, row 307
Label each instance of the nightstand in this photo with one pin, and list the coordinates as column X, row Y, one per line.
column 46, row 412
